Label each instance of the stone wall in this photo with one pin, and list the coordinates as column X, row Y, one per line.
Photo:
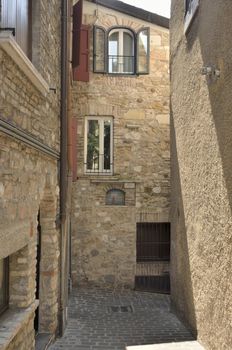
column 201, row 171
column 104, row 237
column 29, row 178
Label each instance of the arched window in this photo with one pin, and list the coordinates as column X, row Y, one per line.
column 121, row 51
column 115, row 197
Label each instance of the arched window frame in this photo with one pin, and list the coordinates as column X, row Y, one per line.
column 121, row 57
column 105, row 34
column 115, row 203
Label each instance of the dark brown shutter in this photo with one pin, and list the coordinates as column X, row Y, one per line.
column 81, row 73
column 77, row 22
column 74, row 149
column 15, row 14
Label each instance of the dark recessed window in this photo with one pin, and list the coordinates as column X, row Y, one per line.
column 115, row 197
column 191, row 7
column 4, row 284
column 121, row 51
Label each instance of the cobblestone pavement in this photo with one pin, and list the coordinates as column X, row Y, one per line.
column 105, row 320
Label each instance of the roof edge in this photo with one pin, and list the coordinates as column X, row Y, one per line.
column 133, row 11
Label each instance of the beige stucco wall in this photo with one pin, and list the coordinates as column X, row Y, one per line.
column 201, row 156
column 104, row 237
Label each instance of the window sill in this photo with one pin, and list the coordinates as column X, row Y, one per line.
column 10, row 46
column 12, row 321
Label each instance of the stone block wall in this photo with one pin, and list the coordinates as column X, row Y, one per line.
column 104, row 237
column 201, row 132
column 29, row 179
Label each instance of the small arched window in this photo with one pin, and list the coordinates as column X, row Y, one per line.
column 115, row 197
column 121, row 51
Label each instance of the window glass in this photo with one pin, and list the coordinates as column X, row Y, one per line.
column 99, row 60
column 191, row 7
column 93, row 145
column 128, row 50
column 98, row 145
column 114, row 53
column 121, row 52
column 115, row 197
column 143, row 56
column 107, row 144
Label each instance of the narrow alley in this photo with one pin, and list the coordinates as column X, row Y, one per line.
column 105, row 320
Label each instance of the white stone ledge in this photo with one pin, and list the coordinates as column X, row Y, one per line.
column 10, row 46
column 188, row 345
column 12, row 321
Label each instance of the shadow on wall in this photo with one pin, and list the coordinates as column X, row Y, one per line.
column 212, row 123
column 181, row 279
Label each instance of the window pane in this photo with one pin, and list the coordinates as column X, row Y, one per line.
column 114, row 53
column 127, row 44
column 93, row 145
column 128, row 49
column 99, row 63
column 143, row 51
column 107, row 144
column 115, row 197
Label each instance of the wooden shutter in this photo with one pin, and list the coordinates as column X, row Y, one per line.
column 143, row 51
column 77, row 22
column 74, row 149
column 81, row 73
column 8, row 14
column 99, row 50
column 15, row 14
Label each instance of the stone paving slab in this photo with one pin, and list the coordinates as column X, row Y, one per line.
column 105, row 320
column 190, row 345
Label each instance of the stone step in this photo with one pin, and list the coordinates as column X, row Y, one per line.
column 189, row 345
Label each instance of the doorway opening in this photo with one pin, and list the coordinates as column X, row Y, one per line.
column 153, row 257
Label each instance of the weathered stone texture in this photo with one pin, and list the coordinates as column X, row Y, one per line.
column 25, row 339
column 104, row 237
column 201, row 172
column 29, row 178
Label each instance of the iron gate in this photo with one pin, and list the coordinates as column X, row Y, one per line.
column 153, row 257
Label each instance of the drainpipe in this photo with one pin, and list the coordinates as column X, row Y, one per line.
column 63, row 158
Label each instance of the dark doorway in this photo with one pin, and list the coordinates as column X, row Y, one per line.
column 153, row 257
column 38, row 256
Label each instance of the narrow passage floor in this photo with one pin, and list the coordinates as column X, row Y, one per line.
column 106, row 320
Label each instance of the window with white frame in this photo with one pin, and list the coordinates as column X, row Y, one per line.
column 98, row 145
column 191, row 7
column 121, row 51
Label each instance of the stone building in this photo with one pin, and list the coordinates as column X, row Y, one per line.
column 121, row 108
column 33, row 230
column 201, row 129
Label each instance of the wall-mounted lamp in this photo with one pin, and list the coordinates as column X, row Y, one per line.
column 210, row 71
